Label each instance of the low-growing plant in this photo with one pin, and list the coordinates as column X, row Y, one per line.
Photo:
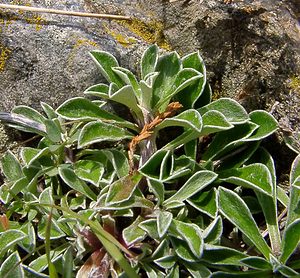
column 147, row 178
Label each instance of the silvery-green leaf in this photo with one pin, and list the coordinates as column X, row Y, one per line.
column 98, row 90
column 290, row 241
column 29, row 113
column 118, row 160
column 29, row 242
column 213, row 231
column 231, row 109
column 190, row 119
column 214, row 121
column 192, row 234
column 122, row 189
column 106, row 62
column 228, row 140
column 294, row 202
column 133, row 233
column 12, row 267
column 164, row 219
column 185, row 79
column 11, row 167
column 197, row 270
column 205, row 97
column 205, row 202
column 256, row 176
column 168, row 66
column 183, row 251
column 158, row 189
column 191, row 94
column 69, row 177
column 79, row 108
column 149, row 60
column 54, row 133
column 50, row 112
column 89, row 170
column 31, row 155
column 129, row 78
column 266, row 125
column 195, row 183
column 55, row 231
column 166, row 262
column 256, row 262
column 220, row 255
column 9, row 238
column 236, row 211
column 95, row 132
column 150, row 227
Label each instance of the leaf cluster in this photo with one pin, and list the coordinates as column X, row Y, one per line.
column 175, row 186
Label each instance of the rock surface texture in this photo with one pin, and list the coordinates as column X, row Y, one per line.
column 251, row 48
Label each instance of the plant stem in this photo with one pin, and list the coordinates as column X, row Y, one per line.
column 61, row 12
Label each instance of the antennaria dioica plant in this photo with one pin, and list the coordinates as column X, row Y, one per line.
column 173, row 187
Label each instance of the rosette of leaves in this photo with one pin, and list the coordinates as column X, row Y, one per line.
column 156, row 191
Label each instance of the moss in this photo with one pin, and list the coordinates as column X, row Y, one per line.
column 4, row 55
column 151, row 32
column 294, row 83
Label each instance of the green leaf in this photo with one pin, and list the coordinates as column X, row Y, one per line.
column 295, row 171
column 11, row 267
column 23, row 123
column 226, row 141
column 122, row 189
column 266, row 125
column 99, row 90
column 236, row 211
column 220, row 255
column 205, row 202
column 166, row 262
column 79, row 108
column 119, row 161
column 53, row 130
column 164, row 220
column 68, row 263
column 106, row 62
column 183, row 251
column 192, row 234
column 168, row 66
column 189, row 119
column 247, row 274
column 29, row 113
column 11, row 167
column 256, row 176
column 29, row 242
column 95, row 132
column 89, row 171
column 69, row 177
column 50, row 112
column 214, row 121
column 150, row 227
column 188, row 96
column 184, row 80
column 231, row 109
column 158, row 190
column 55, row 231
column 134, row 233
column 196, row 183
column 256, row 263
column 32, row 155
column 149, row 60
column 197, row 270
column 291, row 239
column 294, row 202
column 9, row 238
column 213, row 232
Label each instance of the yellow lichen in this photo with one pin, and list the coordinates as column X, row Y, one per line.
column 151, row 32
column 29, row 17
column 124, row 41
column 4, row 55
column 294, row 83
